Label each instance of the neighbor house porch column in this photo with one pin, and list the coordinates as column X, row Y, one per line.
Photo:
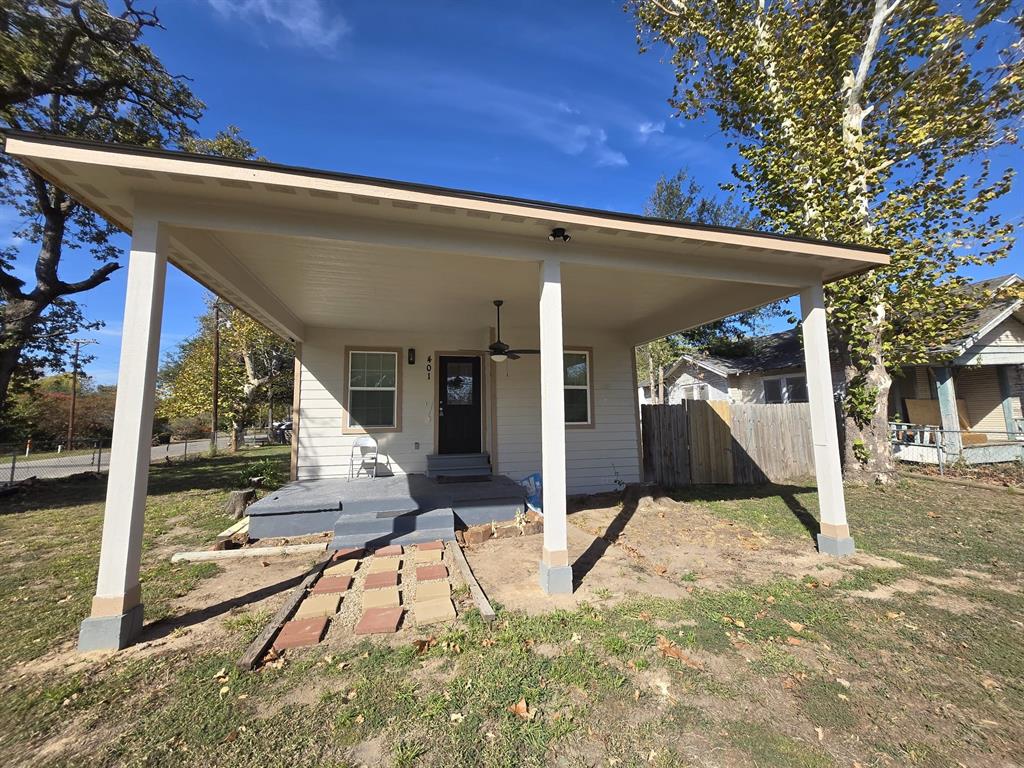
column 1006, row 395
column 555, row 571
column 117, row 607
column 949, row 415
column 834, row 537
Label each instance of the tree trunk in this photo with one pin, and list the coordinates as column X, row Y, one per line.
column 20, row 319
column 867, row 451
column 650, row 373
column 236, row 435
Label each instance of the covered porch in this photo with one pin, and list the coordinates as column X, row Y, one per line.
column 398, row 280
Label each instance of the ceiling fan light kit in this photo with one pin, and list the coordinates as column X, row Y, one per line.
column 498, row 350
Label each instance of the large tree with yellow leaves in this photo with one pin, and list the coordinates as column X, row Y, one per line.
column 868, row 122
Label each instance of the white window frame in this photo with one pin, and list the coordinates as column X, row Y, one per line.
column 783, row 379
column 589, row 386
column 395, row 424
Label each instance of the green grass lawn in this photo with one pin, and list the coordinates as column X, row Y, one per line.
column 789, row 672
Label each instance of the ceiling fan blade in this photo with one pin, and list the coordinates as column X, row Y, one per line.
column 512, row 355
column 524, row 351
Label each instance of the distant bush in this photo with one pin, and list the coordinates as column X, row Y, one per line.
column 271, row 470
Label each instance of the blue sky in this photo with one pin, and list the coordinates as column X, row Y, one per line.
column 536, row 99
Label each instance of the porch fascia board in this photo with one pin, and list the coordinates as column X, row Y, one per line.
column 445, row 240
column 207, row 261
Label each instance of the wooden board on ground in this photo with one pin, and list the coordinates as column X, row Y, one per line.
column 263, row 640
column 482, row 603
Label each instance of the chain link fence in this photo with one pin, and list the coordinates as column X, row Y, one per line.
column 39, row 460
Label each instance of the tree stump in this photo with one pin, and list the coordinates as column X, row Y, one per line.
column 238, row 501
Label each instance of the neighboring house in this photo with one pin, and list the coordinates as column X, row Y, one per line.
column 387, row 290
column 981, row 376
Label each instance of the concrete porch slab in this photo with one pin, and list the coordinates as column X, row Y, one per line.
column 359, row 506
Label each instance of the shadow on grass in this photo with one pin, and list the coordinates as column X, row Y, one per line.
column 788, row 494
column 218, row 473
column 164, row 627
column 585, row 563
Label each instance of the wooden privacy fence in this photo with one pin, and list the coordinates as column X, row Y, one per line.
column 713, row 441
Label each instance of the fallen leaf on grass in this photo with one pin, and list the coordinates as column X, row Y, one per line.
column 223, row 691
column 821, row 733
column 989, row 684
column 670, row 649
column 842, row 682
column 456, row 717
column 793, row 641
column 522, row 710
column 796, row 626
column 422, row 646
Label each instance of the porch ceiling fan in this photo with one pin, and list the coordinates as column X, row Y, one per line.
column 499, row 350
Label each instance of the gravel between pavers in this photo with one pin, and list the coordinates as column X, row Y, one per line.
column 341, row 630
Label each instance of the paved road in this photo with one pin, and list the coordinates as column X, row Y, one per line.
column 62, row 466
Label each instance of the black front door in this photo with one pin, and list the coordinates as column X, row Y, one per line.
column 458, row 425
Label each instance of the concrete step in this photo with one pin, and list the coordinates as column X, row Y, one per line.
column 360, row 531
column 439, row 461
column 481, row 471
column 480, row 511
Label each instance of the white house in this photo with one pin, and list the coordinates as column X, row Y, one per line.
column 387, row 289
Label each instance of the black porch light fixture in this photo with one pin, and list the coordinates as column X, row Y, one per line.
column 559, row 233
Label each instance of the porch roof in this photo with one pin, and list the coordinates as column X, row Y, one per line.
column 298, row 248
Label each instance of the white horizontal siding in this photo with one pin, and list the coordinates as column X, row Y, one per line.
column 323, row 450
column 598, row 458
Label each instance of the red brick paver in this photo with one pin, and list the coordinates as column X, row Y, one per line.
column 300, row 634
column 431, row 572
column 381, row 580
column 379, row 621
column 430, row 546
column 348, row 553
column 392, row 551
column 332, row 584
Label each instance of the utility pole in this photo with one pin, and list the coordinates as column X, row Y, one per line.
column 216, row 376
column 74, row 388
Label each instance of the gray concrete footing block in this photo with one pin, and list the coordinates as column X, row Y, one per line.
column 110, row 633
column 835, row 547
column 556, row 580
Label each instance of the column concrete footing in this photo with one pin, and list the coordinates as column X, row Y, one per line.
column 556, row 579
column 828, row 545
column 110, row 633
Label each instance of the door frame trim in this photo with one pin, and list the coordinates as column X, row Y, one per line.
column 485, row 393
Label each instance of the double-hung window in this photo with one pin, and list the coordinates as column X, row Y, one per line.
column 372, row 390
column 577, row 383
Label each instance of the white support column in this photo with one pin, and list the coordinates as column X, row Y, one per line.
column 555, row 571
column 1006, row 396
column 117, row 607
column 949, row 414
column 834, row 537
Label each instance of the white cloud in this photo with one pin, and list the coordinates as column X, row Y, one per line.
column 551, row 121
column 308, row 22
column 646, row 129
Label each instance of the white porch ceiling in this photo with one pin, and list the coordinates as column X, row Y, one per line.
column 298, row 247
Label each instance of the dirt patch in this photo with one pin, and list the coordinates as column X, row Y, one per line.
column 952, row 603
column 198, row 618
column 507, row 572
column 897, row 588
